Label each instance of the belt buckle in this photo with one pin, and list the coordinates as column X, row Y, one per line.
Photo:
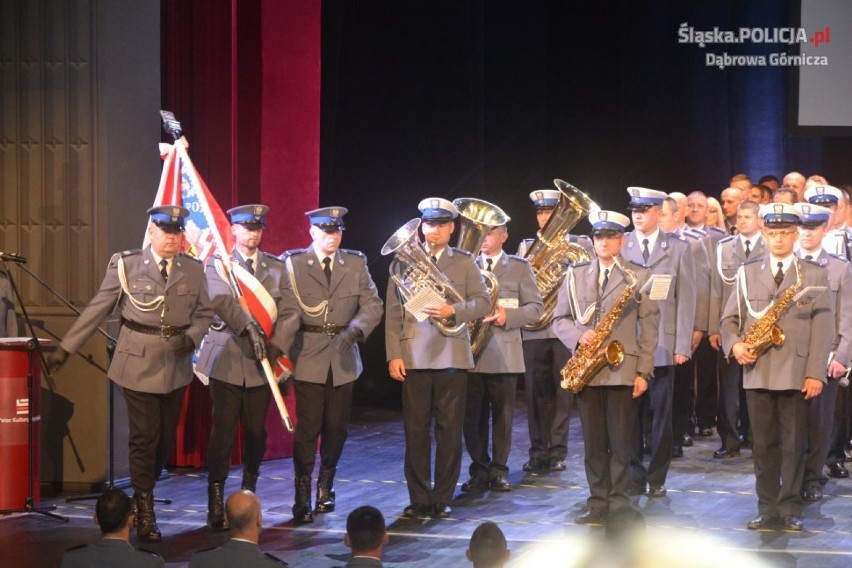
column 165, row 332
column 329, row 329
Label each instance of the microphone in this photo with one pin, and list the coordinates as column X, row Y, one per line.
column 13, row 257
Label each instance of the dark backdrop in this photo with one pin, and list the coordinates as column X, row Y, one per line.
column 494, row 99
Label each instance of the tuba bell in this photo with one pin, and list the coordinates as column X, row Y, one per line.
column 419, row 276
column 477, row 218
column 551, row 252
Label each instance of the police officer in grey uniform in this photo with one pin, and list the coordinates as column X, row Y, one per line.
column 492, row 383
column 114, row 516
column 838, row 240
column 548, row 405
column 668, row 255
column 779, row 383
column 731, row 253
column 432, row 366
column 162, row 298
column 338, row 308
column 8, row 321
column 606, row 404
column 246, row 521
column 813, row 223
column 231, row 353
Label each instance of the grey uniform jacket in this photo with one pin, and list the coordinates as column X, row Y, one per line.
column 352, row 300
column 698, row 244
column 840, row 284
column 670, row 255
column 730, row 255
column 143, row 362
column 228, row 356
column 363, row 562
column 636, row 329
column 8, row 323
column 420, row 344
column 502, row 351
column 547, row 332
column 110, row 552
column 235, row 553
column 809, row 328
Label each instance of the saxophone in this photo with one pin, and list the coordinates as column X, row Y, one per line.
column 765, row 332
column 588, row 359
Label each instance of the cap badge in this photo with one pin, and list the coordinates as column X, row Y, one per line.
column 435, row 203
column 778, row 208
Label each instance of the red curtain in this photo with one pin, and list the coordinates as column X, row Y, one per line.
column 243, row 77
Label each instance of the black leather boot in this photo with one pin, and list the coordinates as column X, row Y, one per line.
column 302, row 508
column 249, row 481
column 325, row 491
column 216, row 507
column 146, row 521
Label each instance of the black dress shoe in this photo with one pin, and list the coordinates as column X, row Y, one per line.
column 687, row 440
column 812, row 492
column 535, row 465
column 441, row 511
column 791, row 523
column 761, row 523
column 837, row 470
column 591, row 518
column 500, row 483
column 634, row 489
column 416, row 510
column 557, row 464
column 677, row 451
column 474, row 485
column 725, row 454
column 655, row 490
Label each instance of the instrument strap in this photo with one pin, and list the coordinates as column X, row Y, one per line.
column 586, row 317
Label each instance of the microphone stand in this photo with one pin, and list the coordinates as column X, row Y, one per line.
column 111, row 343
column 32, row 345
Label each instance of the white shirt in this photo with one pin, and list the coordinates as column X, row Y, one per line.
column 322, row 256
column 494, row 260
column 158, row 259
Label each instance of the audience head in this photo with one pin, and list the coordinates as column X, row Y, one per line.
column 488, row 548
column 366, row 534
column 796, row 182
column 670, row 215
column 785, row 195
column 696, row 209
column 242, row 510
column 731, row 197
column 114, row 511
column 769, row 181
column 714, row 213
column 748, row 218
column 741, row 182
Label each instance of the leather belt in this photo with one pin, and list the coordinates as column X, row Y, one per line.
column 326, row 329
column 164, row 331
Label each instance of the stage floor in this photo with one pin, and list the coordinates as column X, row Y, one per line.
column 706, row 499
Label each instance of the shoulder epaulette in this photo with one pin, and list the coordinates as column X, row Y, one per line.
column 728, row 238
column 837, row 256
column 753, row 260
column 275, row 559
column 291, row 252
column 126, row 253
column 151, row 552
column 516, row 257
column 677, row 236
column 462, row 251
column 695, row 230
column 691, row 235
column 189, row 257
column 581, row 263
column 633, row 262
column 717, row 229
column 815, row 262
column 355, row 252
column 268, row 256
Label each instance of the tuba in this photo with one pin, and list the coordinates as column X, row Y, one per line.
column 588, row 359
column 551, row 252
column 419, row 275
column 477, row 218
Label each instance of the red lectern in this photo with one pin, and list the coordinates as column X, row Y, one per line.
column 16, row 362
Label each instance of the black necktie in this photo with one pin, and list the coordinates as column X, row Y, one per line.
column 434, row 259
column 645, row 252
column 326, row 268
column 605, row 280
column 809, row 257
column 779, row 276
column 250, row 265
column 748, row 248
column 163, row 269
column 488, row 261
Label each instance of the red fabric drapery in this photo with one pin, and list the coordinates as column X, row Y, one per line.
column 243, row 77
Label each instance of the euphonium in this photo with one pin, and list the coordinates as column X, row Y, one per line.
column 588, row 359
column 476, row 219
column 419, row 274
column 765, row 331
column 551, row 252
